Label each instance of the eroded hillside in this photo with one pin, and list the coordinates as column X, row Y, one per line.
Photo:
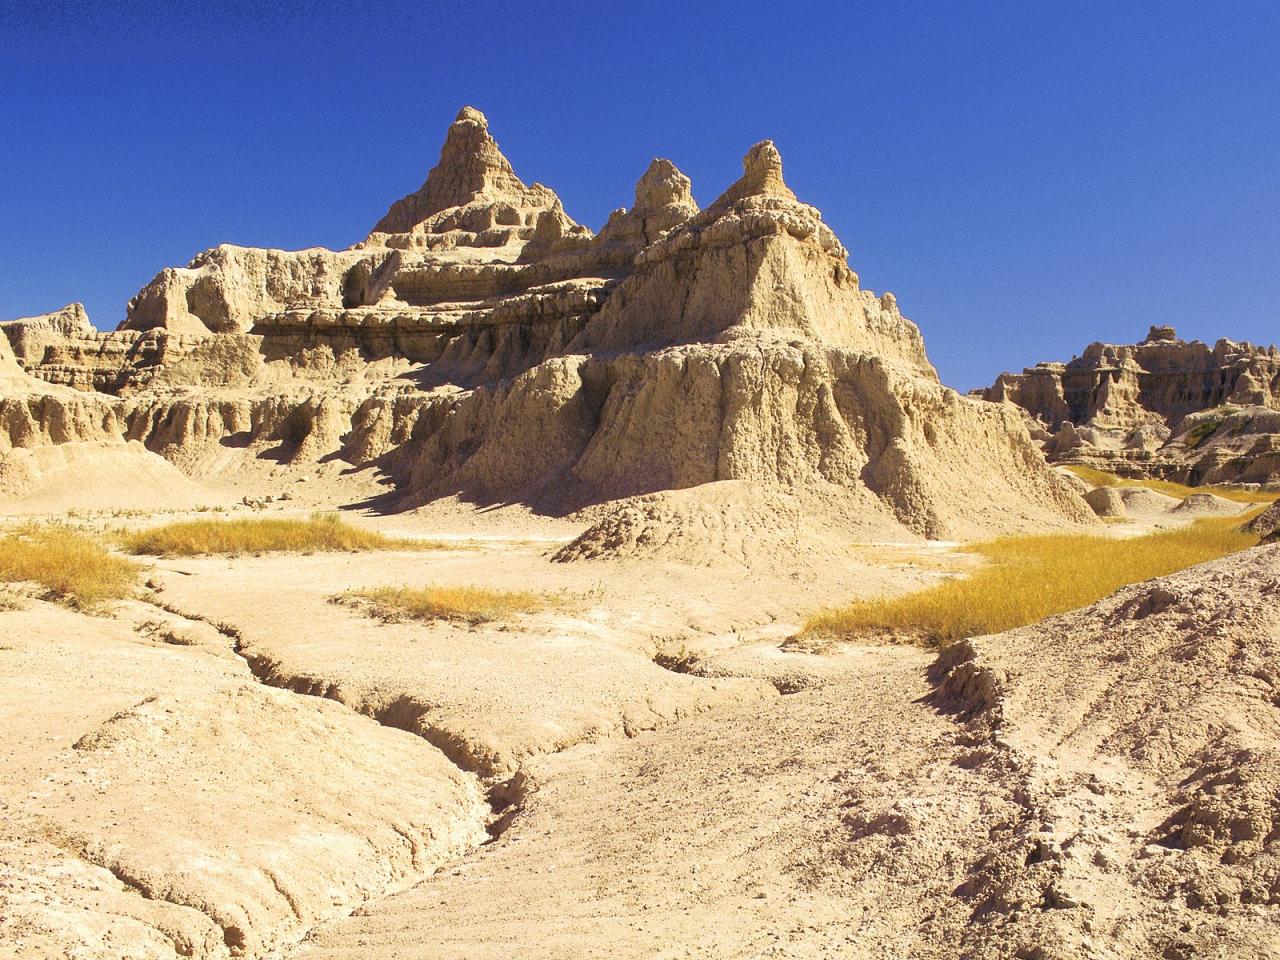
column 1164, row 407
column 480, row 344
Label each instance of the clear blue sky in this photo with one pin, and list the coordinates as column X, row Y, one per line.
column 1025, row 176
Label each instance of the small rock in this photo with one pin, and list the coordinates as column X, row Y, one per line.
column 1106, row 502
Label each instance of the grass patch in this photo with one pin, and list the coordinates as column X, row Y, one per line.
column 1029, row 578
column 1200, row 433
column 72, row 566
column 1100, row 478
column 464, row 604
column 320, row 533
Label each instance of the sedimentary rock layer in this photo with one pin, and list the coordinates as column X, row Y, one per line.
column 1163, row 407
column 479, row 342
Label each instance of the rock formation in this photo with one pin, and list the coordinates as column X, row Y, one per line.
column 474, row 190
column 480, row 343
column 1266, row 524
column 1106, row 501
column 1163, row 407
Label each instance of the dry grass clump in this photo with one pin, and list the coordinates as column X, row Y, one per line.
column 1029, row 578
column 1100, row 478
column 72, row 566
column 319, row 533
column 465, row 604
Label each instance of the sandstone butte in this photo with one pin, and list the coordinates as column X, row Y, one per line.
column 1164, row 408
column 480, row 344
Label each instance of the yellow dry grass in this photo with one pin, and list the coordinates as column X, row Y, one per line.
column 72, row 566
column 1100, row 478
column 1026, row 579
column 466, row 604
column 319, row 533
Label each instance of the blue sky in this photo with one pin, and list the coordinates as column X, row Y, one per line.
column 1026, row 177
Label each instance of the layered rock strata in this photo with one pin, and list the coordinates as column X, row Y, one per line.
column 480, row 343
column 1163, row 407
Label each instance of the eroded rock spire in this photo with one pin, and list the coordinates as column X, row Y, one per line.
column 663, row 185
column 761, row 176
column 471, row 167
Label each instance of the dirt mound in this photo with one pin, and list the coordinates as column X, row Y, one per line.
column 1148, row 746
column 1207, row 503
column 1106, row 502
column 96, row 476
column 1267, row 523
column 729, row 521
column 1144, row 502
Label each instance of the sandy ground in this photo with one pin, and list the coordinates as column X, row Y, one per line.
column 1101, row 785
column 235, row 766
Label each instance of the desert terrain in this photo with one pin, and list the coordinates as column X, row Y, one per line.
column 580, row 647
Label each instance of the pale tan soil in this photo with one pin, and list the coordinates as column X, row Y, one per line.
column 147, row 766
column 157, row 800
column 709, row 839
column 99, row 477
column 1110, row 792
column 167, row 792
column 493, row 694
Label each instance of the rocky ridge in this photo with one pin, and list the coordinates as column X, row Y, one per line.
column 1165, row 407
column 479, row 343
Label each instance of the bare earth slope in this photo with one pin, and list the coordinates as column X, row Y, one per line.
column 1103, row 784
column 158, row 802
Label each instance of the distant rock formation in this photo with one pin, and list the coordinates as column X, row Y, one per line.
column 479, row 343
column 472, row 189
column 1163, row 407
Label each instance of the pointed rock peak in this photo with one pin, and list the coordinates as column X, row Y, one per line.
column 762, row 172
column 470, row 163
column 761, row 176
column 663, row 185
column 471, row 167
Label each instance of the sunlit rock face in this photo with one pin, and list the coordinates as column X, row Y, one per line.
column 481, row 343
column 1164, row 407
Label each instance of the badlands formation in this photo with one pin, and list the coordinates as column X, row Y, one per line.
column 1161, row 408
column 479, row 344
column 692, row 429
